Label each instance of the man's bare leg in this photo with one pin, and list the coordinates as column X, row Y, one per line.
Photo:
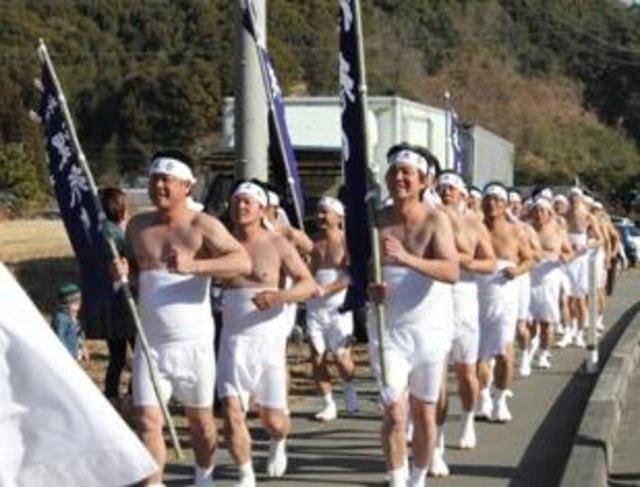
column 394, row 442
column 203, row 436
column 424, row 437
column 278, row 425
column 468, row 389
column 503, row 380
column 438, row 466
column 150, row 423
column 347, row 369
column 238, row 438
column 323, row 383
column 485, row 405
column 523, row 334
column 546, row 336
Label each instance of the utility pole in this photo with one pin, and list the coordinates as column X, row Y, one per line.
column 251, row 132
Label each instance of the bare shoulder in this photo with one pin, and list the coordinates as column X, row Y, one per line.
column 140, row 220
column 437, row 218
column 205, row 220
column 279, row 242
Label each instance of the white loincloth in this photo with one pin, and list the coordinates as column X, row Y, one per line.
column 329, row 329
column 600, row 268
column 545, row 291
column 578, row 267
column 175, row 311
column 175, row 308
column 524, row 296
column 498, row 299
column 56, row 428
column 252, row 360
column 466, row 330
column 417, row 334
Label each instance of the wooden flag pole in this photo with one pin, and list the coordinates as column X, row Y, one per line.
column 43, row 54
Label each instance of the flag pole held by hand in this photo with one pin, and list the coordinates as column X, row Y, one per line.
column 123, row 283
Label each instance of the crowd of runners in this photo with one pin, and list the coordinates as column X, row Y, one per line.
column 467, row 274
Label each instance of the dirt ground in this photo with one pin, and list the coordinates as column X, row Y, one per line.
column 40, row 256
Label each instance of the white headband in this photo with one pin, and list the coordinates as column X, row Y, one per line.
column 542, row 202
column 514, row 197
column 560, row 198
column 453, row 180
column 528, row 204
column 409, row 158
column 253, row 191
column 475, row 193
column 598, row 206
column 497, row 191
column 576, row 191
column 588, row 200
column 172, row 167
column 333, row 204
column 546, row 193
column 274, row 199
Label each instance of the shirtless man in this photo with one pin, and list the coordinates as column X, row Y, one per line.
column 518, row 214
column 329, row 330
column 561, row 206
column 498, row 297
column 474, row 202
column 546, row 275
column 476, row 256
column 176, row 252
column 420, row 262
column 584, row 236
column 276, row 219
column 606, row 256
column 252, row 362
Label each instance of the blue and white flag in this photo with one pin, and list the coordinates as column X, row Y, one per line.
column 457, row 148
column 78, row 205
column 280, row 147
column 354, row 157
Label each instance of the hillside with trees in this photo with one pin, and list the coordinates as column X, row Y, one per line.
column 559, row 78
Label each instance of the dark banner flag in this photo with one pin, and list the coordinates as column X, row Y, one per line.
column 457, row 148
column 76, row 201
column 354, row 158
column 280, row 148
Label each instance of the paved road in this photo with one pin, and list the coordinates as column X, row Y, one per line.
column 532, row 450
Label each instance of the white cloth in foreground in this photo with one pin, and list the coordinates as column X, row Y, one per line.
column 56, row 428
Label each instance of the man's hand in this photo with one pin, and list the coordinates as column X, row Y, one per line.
column 377, row 292
column 319, row 292
column 393, row 251
column 268, row 299
column 119, row 269
column 509, row 273
column 180, row 262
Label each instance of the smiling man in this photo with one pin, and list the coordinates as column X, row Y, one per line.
column 176, row 251
column 420, row 262
column 252, row 362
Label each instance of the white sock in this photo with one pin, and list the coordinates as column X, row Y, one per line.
column 328, row 399
column 398, row 477
column 467, row 418
column 418, row 475
column 279, row 446
column 440, row 441
column 246, row 470
column 201, row 474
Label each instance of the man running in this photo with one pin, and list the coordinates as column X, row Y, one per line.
column 583, row 235
column 546, row 275
column 476, row 256
column 498, row 296
column 252, row 363
column 329, row 330
column 176, row 252
column 420, row 262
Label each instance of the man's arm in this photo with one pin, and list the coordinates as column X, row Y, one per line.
column 525, row 253
column 484, row 260
column 303, row 283
column 441, row 264
column 229, row 258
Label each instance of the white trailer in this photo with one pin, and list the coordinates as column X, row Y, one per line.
column 314, row 123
